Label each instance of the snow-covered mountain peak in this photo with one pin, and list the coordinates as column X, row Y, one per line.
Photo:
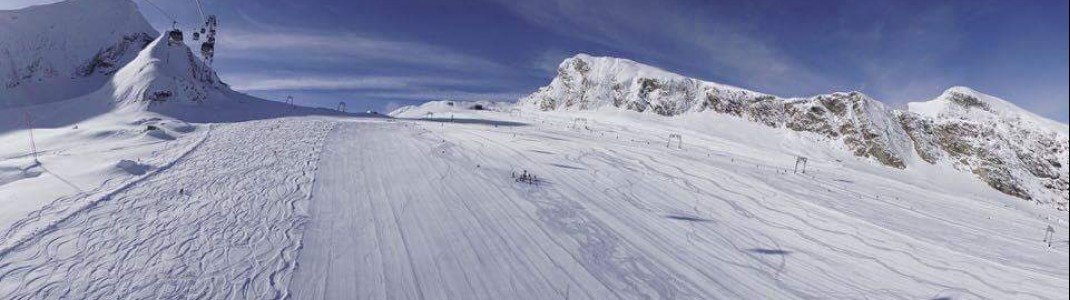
column 59, row 51
column 626, row 70
column 589, row 82
column 963, row 103
column 619, row 67
column 164, row 72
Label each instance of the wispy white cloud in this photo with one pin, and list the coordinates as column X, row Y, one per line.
column 429, row 95
column 390, row 88
column 349, row 47
column 309, row 82
column 406, row 71
column 547, row 62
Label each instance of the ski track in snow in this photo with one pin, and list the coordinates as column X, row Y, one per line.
column 428, row 210
column 223, row 222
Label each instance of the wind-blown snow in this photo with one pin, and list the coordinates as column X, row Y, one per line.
column 222, row 221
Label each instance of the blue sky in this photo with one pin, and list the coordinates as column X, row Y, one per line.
column 379, row 54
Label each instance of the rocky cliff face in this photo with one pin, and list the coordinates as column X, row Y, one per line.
column 1003, row 145
column 1010, row 149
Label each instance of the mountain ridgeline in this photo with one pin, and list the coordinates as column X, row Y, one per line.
column 1012, row 150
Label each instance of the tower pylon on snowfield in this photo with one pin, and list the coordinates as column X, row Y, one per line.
column 579, row 123
column 33, row 143
column 800, row 161
column 679, row 139
column 1049, row 234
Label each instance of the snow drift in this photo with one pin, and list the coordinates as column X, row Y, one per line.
column 1010, row 149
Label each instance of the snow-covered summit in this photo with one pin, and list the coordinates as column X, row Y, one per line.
column 963, row 103
column 169, row 80
column 163, row 72
column 588, row 82
column 59, row 51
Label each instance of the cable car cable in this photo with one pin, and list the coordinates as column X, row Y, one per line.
column 163, row 12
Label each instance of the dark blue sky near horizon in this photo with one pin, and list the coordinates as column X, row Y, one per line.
column 381, row 54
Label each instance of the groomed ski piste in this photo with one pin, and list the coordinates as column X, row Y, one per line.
column 372, row 208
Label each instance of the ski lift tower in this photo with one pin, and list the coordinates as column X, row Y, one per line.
column 33, row 143
column 800, row 161
column 679, row 139
column 576, row 124
column 1049, row 234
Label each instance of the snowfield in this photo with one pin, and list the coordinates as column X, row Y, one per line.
column 327, row 208
column 222, row 221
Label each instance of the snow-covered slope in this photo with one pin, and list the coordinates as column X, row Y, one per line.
column 853, row 121
column 59, row 51
column 341, row 208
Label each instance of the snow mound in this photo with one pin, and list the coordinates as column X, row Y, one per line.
column 132, row 167
column 11, row 172
column 59, row 51
column 448, row 106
